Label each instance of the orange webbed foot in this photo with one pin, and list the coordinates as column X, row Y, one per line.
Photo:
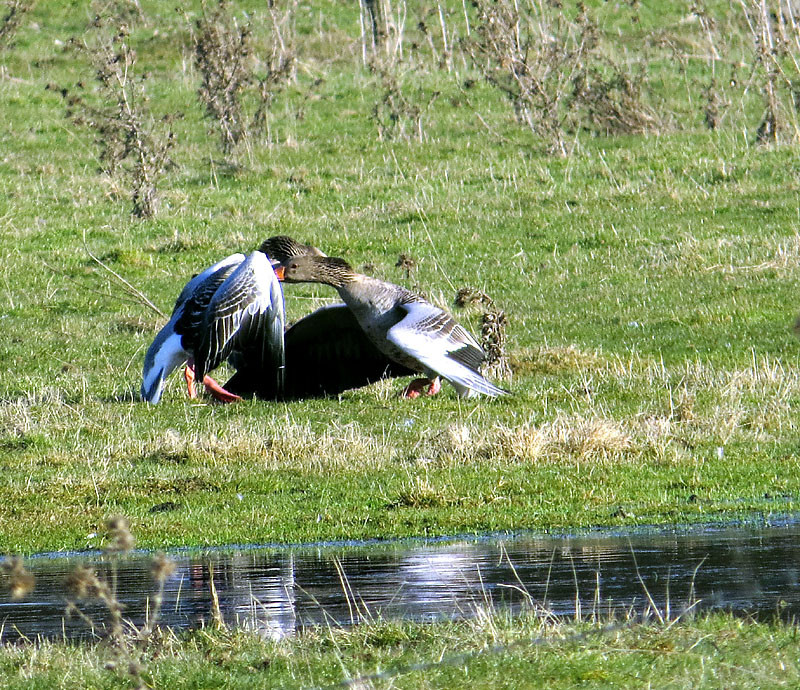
column 218, row 392
column 418, row 386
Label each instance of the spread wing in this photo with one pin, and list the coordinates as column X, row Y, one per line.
column 245, row 316
column 195, row 298
column 441, row 345
column 327, row 353
column 210, row 274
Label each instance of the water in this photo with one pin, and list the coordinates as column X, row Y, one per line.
column 277, row 591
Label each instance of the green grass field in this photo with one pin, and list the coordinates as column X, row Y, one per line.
column 649, row 281
column 492, row 651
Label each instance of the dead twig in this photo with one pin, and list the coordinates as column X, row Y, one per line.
column 141, row 298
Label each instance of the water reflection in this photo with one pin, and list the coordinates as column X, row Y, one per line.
column 278, row 591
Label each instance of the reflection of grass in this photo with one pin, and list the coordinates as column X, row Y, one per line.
column 489, row 651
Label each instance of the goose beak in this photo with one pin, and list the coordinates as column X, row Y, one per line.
column 279, row 272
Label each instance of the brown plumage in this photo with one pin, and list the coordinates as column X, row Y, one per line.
column 405, row 327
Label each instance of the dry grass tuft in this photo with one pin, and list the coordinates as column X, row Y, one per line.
column 552, row 360
column 285, row 444
column 567, row 437
column 524, row 442
column 584, row 438
column 418, row 492
column 342, row 447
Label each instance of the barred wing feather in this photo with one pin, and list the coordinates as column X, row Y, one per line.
column 195, row 304
column 245, row 315
column 442, row 346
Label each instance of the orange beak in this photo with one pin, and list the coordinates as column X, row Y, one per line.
column 279, row 271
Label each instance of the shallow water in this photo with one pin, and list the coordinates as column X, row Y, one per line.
column 753, row 569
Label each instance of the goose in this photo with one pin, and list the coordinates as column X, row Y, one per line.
column 405, row 327
column 281, row 248
column 232, row 310
column 327, row 351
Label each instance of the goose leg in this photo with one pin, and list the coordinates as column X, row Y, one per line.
column 435, row 387
column 212, row 387
column 416, row 387
column 188, row 375
column 218, row 392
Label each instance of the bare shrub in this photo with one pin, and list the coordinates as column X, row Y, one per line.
column 134, row 143
column 398, row 112
column 402, row 100
column 232, row 74
column 611, row 99
column 11, row 19
column 555, row 72
column 774, row 27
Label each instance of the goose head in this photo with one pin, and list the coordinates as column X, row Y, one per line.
column 281, row 248
column 316, row 269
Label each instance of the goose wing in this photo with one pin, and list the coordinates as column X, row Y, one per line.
column 193, row 302
column 245, row 315
column 175, row 341
column 441, row 345
column 327, row 353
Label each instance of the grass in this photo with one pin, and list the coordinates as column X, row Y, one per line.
column 713, row 651
column 649, row 285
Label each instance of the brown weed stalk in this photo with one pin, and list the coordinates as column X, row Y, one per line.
column 84, row 584
column 134, row 144
column 494, row 324
column 16, row 578
column 230, row 72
